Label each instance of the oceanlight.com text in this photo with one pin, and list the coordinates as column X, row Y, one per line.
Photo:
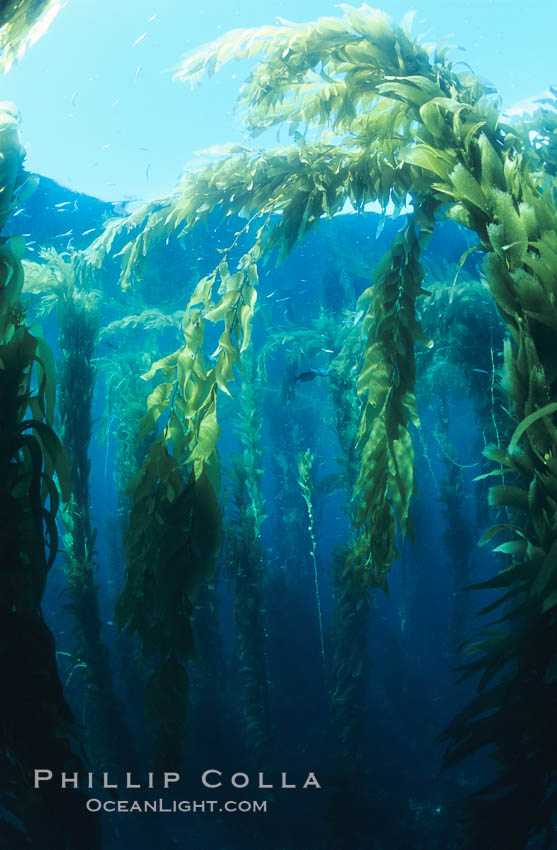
column 176, row 806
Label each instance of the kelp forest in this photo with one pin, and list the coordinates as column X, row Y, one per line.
column 279, row 467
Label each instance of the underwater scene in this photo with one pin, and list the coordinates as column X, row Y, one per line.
column 278, row 427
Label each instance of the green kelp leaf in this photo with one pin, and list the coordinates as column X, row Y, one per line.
column 157, row 402
column 547, row 410
column 514, row 234
column 467, row 188
column 533, row 296
column 194, row 334
column 415, row 90
column 228, row 300
column 17, row 245
column 463, row 257
column 505, row 495
column 223, row 371
column 460, row 214
column 512, row 547
column 401, row 476
column 246, row 313
column 432, row 115
column 55, row 450
column 440, row 162
column 202, row 292
column 169, row 362
column 48, row 382
column 209, row 431
column 500, row 282
column 184, row 367
column 496, row 529
column 546, row 574
column 492, row 175
column 176, row 437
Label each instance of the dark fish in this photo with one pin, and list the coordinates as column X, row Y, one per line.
column 311, row 374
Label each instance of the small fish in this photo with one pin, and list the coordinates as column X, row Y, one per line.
column 74, row 96
column 141, row 37
column 61, row 235
column 147, row 170
column 91, row 230
column 106, row 147
column 288, row 297
column 116, row 102
column 481, row 371
column 328, row 350
column 311, row 374
column 152, row 18
column 63, row 204
column 137, row 73
column 270, row 295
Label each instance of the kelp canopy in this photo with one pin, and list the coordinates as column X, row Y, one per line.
column 396, row 122
column 376, row 116
column 22, row 22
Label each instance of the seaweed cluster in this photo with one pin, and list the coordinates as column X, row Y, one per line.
column 36, row 721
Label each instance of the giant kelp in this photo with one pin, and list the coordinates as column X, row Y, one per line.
column 399, row 122
column 22, row 23
column 78, row 320
column 170, row 545
column 247, row 571
column 36, row 722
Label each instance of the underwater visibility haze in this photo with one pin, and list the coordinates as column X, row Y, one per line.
column 278, row 427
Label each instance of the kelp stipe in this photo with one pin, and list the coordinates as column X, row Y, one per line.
column 36, row 724
column 247, row 571
column 108, row 741
column 305, row 464
column 172, row 538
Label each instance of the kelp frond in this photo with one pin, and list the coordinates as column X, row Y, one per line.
column 384, row 488
column 22, row 23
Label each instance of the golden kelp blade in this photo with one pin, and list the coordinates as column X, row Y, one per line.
column 22, row 23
